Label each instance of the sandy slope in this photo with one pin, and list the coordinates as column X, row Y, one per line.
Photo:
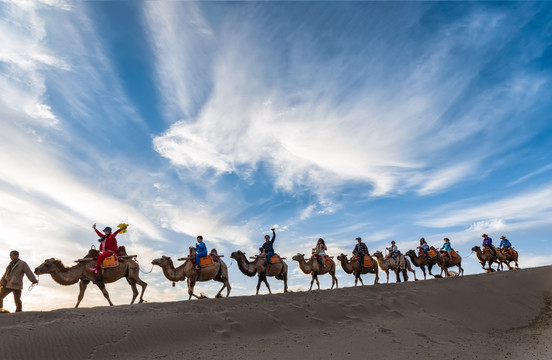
column 489, row 316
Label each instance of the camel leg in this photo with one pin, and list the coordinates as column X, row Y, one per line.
column 397, row 275
column 101, row 285
column 132, row 284
column 335, row 279
column 258, row 285
column 143, row 284
column 312, row 282
column 423, row 271
column 387, row 272
column 405, row 275
column 360, row 278
column 460, row 270
column 429, row 267
column 285, row 282
column 412, row 271
column 191, row 285
column 376, row 281
column 82, row 288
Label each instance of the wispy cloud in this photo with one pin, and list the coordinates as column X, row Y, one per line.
column 397, row 129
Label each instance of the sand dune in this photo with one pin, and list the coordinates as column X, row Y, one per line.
column 488, row 316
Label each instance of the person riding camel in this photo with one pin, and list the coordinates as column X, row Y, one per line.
column 360, row 250
column 505, row 245
column 448, row 248
column 201, row 250
column 488, row 243
column 108, row 245
column 268, row 246
column 393, row 250
column 320, row 251
column 424, row 247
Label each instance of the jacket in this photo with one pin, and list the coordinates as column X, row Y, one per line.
column 201, row 249
column 446, row 246
column 361, row 249
column 268, row 246
column 110, row 242
column 14, row 280
column 505, row 243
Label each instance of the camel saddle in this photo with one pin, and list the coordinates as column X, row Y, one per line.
column 275, row 259
column 206, row 261
column 367, row 261
column 454, row 253
column 432, row 253
column 110, row 262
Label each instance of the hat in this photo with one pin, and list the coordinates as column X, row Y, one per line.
column 107, row 228
column 503, row 237
column 446, row 239
column 484, row 235
column 358, row 238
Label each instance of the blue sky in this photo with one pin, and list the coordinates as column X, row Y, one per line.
column 389, row 121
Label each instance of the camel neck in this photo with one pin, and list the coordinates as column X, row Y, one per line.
column 68, row 276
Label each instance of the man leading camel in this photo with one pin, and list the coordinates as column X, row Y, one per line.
column 12, row 280
column 268, row 246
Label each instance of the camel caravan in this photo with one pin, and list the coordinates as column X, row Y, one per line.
column 111, row 262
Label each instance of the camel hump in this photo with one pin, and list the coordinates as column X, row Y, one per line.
column 122, row 251
column 454, row 253
column 92, row 253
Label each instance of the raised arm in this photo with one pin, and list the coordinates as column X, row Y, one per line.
column 273, row 236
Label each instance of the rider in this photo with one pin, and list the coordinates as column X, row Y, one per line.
column 320, row 250
column 488, row 243
column 393, row 250
column 424, row 247
column 268, row 246
column 448, row 248
column 108, row 245
column 505, row 244
column 201, row 250
column 361, row 250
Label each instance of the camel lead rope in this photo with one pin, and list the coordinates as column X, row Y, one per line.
column 34, row 284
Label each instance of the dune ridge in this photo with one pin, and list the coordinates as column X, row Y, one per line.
column 486, row 316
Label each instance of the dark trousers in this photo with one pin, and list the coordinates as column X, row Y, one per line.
column 16, row 297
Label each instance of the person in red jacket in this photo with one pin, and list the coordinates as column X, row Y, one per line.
column 108, row 246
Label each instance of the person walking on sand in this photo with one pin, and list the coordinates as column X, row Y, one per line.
column 268, row 246
column 360, row 250
column 201, row 250
column 108, row 245
column 12, row 280
column 448, row 248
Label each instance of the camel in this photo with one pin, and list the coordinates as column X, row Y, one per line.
column 218, row 272
column 506, row 257
column 63, row 275
column 390, row 264
column 486, row 257
column 313, row 267
column 353, row 267
column 257, row 267
column 444, row 263
column 421, row 261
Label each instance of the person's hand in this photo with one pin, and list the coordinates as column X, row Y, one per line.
column 272, row 229
column 94, row 226
column 35, row 282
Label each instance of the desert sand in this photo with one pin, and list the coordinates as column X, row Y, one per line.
column 504, row 315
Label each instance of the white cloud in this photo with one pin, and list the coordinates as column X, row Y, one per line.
column 395, row 136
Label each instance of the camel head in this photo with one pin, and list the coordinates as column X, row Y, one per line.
column 411, row 253
column 162, row 261
column 342, row 257
column 298, row 257
column 378, row 254
column 48, row 266
column 237, row 255
column 476, row 249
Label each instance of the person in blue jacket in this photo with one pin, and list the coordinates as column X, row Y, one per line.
column 505, row 244
column 448, row 248
column 201, row 250
column 268, row 246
